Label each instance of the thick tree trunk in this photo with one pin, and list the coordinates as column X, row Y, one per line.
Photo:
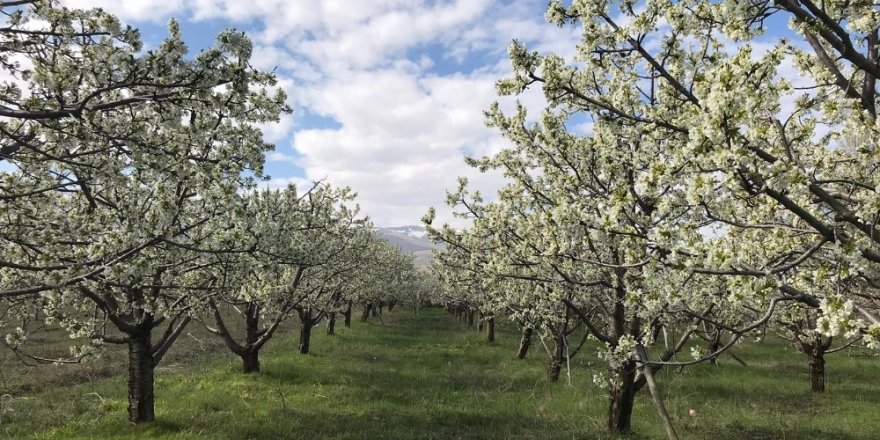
column 815, row 349
column 251, row 361
column 621, row 398
column 331, row 324
column 470, row 318
column 366, row 314
column 480, row 322
column 141, row 400
column 347, row 315
column 524, row 343
column 490, row 329
column 622, row 391
column 556, row 358
column 391, row 305
column 305, row 331
column 817, row 372
column 251, row 355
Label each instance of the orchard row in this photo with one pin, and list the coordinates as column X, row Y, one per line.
column 702, row 175
column 130, row 206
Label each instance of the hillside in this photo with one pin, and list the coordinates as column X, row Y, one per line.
column 411, row 240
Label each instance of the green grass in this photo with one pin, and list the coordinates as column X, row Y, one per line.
column 427, row 377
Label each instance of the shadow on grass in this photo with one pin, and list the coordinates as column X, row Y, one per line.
column 740, row 432
column 428, row 377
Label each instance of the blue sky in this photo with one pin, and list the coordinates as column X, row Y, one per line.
column 387, row 94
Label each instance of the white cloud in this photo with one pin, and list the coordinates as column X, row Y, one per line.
column 278, row 131
column 132, row 10
column 401, row 136
column 283, row 182
column 275, row 156
column 402, row 126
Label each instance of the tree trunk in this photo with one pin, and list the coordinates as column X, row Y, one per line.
column 815, row 349
column 347, row 315
column 817, row 372
column 331, row 324
column 524, row 343
column 366, row 314
column 480, row 322
column 391, row 305
column 251, row 361
column 251, row 355
column 470, row 318
column 621, row 398
column 305, row 331
column 556, row 358
column 140, row 377
column 714, row 345
column 490, row 329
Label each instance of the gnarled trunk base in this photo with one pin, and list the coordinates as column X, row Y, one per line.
column 490, row 330
column 621, row 399
column 141, row 401
column 817, row 373
column 305, row 337
column 347, row 315
column 251, row 361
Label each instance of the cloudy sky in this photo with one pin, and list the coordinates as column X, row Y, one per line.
column 387, row 94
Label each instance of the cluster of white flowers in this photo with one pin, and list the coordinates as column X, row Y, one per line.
column 837, row 318
column 872, row 337
column 15, row 338
column 618, row 355
column 93, row 350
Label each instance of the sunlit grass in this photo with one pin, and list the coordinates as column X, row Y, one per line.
column 428, row 377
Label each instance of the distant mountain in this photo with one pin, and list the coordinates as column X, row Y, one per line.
column 411, row 230
column 407, row 238
column 410, row 240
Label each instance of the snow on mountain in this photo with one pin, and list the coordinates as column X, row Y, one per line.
column 412, row 231
column 410, row 240
column 407, row 238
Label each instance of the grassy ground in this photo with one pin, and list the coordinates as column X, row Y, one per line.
column 427, row 377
